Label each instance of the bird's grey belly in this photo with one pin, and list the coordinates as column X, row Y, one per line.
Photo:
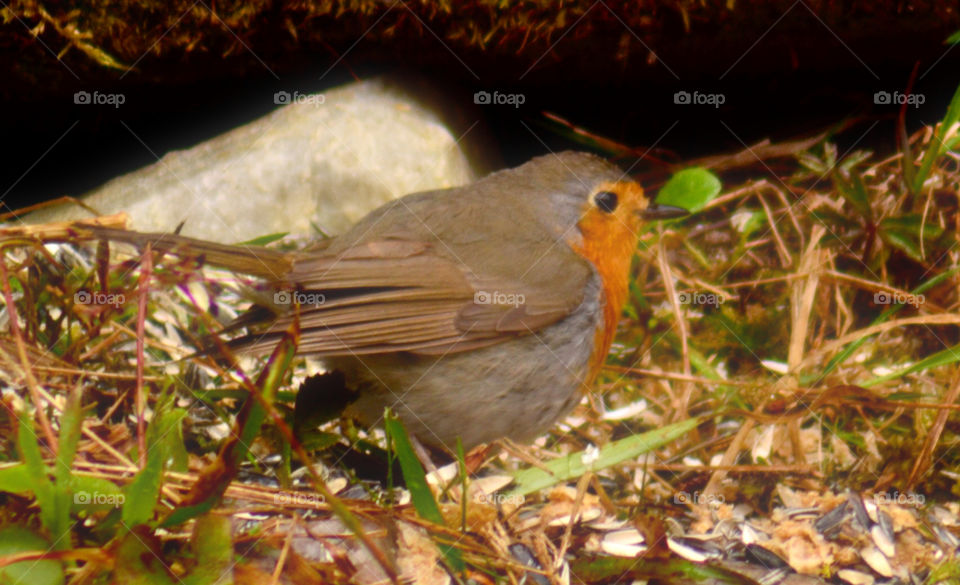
column 516, row 389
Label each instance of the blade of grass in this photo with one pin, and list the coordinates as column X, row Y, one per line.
column 848, row 351
column 938, row 143
column 601, row 569
column 55, row 519
column 70, row 424
column 574, row 465
column 416, row 481
column 948, row 356
column 71, row 421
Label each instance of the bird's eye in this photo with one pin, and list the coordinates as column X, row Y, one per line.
column 606, row 200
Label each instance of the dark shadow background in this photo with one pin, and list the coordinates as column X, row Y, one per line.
column 784, row 74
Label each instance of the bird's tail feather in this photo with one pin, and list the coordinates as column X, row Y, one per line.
column 272, row 265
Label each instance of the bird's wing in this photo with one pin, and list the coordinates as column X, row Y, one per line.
column 426, row 297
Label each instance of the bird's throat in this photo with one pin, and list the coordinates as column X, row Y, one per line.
column 610, row 251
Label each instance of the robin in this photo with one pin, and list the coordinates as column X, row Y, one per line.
column 477, row 312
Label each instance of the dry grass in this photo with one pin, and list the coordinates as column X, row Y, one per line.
column 768, row 325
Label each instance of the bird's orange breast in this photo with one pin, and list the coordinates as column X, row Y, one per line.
column 609, row 247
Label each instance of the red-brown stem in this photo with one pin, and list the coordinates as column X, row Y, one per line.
column 146, row 268
column 24, row 361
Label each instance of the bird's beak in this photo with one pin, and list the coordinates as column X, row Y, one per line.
column 655, row 211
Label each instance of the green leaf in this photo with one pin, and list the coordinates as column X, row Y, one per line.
column 184, row 513
column 71, row 422
column 13, row 540
column 213, row 551
column 903, row 242
column 690, row 189
column 904, row 234
column 138, row 560
column 317, row 440
column 953, row 39
column 144, row 491
column 828, row 218
column 573, row 466
column 164, row 443
column 913, row 224
column 70, row 425
column 169, row 437
column 54, row 519
column 16, row 479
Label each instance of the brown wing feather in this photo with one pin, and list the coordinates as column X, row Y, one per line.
column 404, row 296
